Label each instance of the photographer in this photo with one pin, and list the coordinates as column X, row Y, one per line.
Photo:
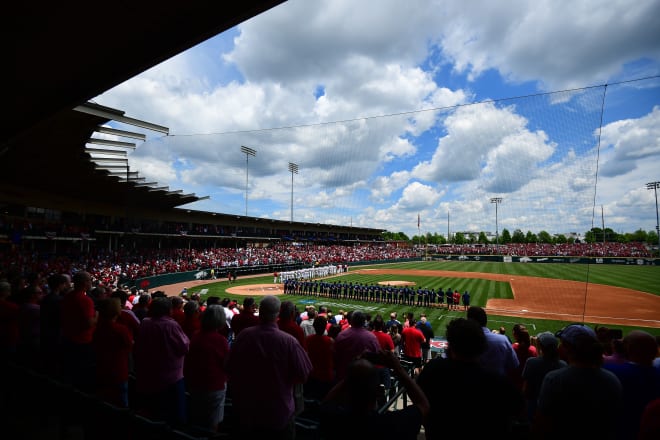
column 355, row 400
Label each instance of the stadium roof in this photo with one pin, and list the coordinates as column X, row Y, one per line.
column 61, row 55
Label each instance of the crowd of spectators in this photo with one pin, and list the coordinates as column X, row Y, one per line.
column 598, row 249
column 186, row 358
column 69, row 317
column 109, row 267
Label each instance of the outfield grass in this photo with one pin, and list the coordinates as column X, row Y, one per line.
column 643, row 278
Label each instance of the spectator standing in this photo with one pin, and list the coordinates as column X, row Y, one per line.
column 58, row 286
column 396, row 339
column 177, row 310
column 352, row 342
column 160, row 349
column 392, row 321
column 536, row 368
column 247, row 317
column 574, row 401
column 386, row 343
column 307, row 325
column 287, row 322
column 141, row 309
column 639, row 378
column 468, row 381
column 412, row 339
column 113, row 343
column 78, row 320
column 425, row 327
column 263, row 365
column 321, row 351
column 524, row 350
column 499, row 356
column 192, row 324
column 204, row 370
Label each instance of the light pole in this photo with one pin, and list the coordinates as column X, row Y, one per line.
column 248, row 152
column 497, row 201
column 293, row 168
column 654, row 186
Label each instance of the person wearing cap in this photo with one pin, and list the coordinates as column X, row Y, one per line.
column 536, row 368
column 574, row 401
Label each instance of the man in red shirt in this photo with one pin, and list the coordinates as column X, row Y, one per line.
column 287, row 323
column 412, row 339
column 78, row 323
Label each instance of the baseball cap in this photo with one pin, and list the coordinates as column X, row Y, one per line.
column 576, row 333
column 547, row 339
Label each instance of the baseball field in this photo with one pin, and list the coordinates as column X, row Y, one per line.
column 541, row 296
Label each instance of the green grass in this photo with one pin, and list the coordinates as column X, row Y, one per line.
column 643, row 278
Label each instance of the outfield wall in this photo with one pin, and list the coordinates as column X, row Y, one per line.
column 550, row 259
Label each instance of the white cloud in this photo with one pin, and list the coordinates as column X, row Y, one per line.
column 307, row 63
column 633, row 141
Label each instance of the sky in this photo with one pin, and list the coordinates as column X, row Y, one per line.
column 411, row 116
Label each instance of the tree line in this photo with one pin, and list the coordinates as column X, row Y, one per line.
column 594, row 235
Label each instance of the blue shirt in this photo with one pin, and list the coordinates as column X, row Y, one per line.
column 500, row 356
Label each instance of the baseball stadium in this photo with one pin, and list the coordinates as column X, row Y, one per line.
column 75, row 210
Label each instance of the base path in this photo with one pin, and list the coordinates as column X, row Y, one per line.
column 533, row 297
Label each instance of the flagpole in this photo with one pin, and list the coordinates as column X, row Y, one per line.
column 418, row 233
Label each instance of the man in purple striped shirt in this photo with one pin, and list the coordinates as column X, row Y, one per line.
column 264, row 364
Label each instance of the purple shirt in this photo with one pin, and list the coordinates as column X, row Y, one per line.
column 160, row 348
column 264, row 364
column 500, row 356
column 351, row 343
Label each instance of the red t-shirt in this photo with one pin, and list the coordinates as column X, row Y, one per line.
column 320, row 349
column 243, row 320
column 384, row 340
column 77, row 311
column 204, row 366
column 292, row 328
column 113, row 343
column 412, row 340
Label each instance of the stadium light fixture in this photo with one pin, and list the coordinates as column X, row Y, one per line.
column 496, row 201
column 654, row 186
column 293, row 168
column 248, row 152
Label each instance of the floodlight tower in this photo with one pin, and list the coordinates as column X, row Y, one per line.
column 293, row 168
column 248, row 152
column 654, row 186
column 496, row 201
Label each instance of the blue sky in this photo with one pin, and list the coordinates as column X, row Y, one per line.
column 395, row 109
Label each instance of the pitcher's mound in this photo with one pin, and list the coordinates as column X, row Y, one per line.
column 397, row 283
column 257, row 289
